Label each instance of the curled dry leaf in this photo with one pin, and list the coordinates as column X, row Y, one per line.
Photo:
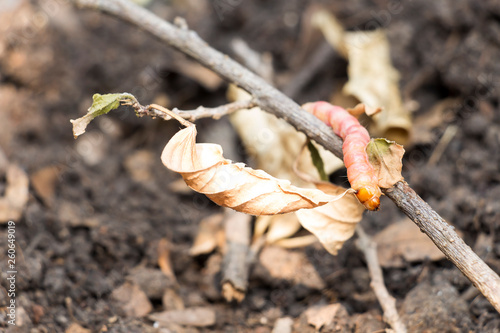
column 386, row 158
column 372, row 78
column 233, row 185
column 335, row 222
column 361, row 108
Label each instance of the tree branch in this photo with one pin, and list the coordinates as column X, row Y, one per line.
column 271, row 100
column 154, row 110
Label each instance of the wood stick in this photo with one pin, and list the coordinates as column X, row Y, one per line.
column 154, row 110
column 271, row 100
column 235, row 266
column 387, row 302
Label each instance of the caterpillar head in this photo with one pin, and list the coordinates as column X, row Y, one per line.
column 369, row 197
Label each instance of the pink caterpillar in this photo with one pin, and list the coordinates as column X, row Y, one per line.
column 360, row 172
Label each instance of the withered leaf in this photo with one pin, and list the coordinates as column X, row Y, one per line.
column 335, row 222
column 233, row 185
column 386, row 157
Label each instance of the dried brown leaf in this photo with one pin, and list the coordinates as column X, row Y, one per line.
column 372, row 78
column 289, row 265
column 250, row 191
column 207, row 238
column 282, row 226
column 387, row 160
column 164, row 259
column 283, row 325
column 402, row 242
column 319, row 316
column 171, row 300
column 139, row 165
column 335, row 222
column 16, row 194
column 44, row 183
column 196, row 316
column 295, row 242
column 132, row 300
column 361, row 108
column 76, row 328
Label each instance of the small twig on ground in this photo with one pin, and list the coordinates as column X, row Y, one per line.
column 448, row 135
column 235, row 266
column 271, row 100
column 387, row 302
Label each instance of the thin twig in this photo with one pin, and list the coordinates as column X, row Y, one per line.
column 448, row 135
column 271, row 100
column 155, row 110
column 215, row 113
column 387, row 302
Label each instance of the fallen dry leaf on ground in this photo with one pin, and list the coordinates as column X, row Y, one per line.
column 283, row 325
column 171, row 300
column 75, row 328
column 164, row 259
column 139, row 165
column 209, row 234
column 132, row 300
column 44, row 183
column 372, row 78
column 197, row 316
column 290, row 265
column 16, row 194
column 319, row 316
column 403, row 242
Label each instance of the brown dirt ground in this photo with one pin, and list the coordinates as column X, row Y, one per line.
column 101, row 226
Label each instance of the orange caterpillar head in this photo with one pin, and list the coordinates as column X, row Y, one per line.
column 369, row 197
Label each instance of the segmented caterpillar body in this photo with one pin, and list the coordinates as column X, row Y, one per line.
column 360, row 172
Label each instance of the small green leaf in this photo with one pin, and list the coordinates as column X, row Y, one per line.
column 317, row 161
column 101, row 104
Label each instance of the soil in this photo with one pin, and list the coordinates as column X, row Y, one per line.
column 100, row 207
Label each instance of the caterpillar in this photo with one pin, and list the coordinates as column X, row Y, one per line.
column 360, row 172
